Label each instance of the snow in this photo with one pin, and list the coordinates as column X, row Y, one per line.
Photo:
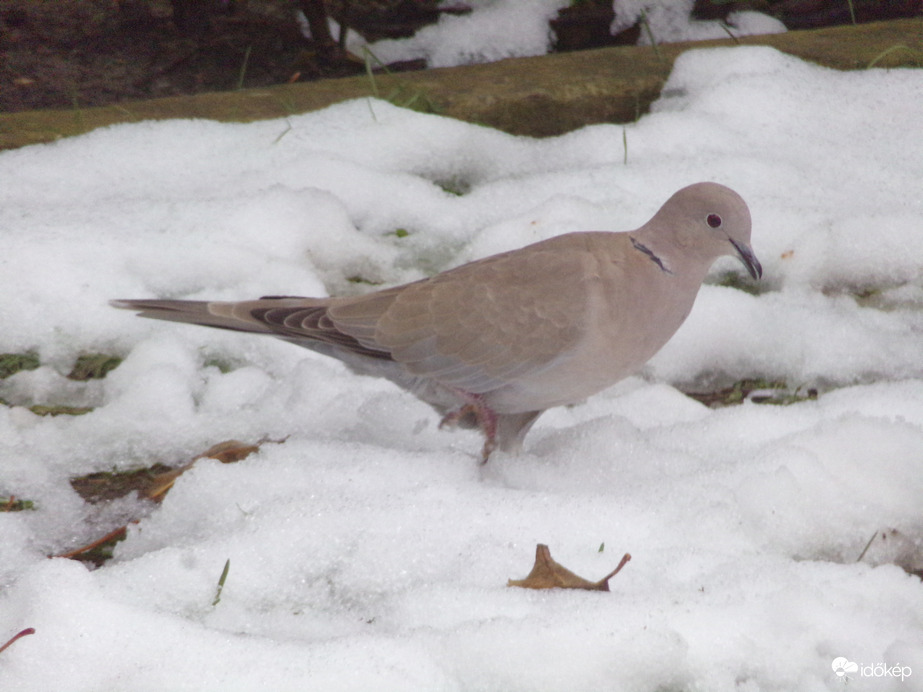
column 497, row 29
column 369, row 550
column 671, row 21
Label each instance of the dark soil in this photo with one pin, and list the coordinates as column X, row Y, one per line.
column 67, row 53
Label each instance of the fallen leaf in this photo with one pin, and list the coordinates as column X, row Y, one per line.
column 109, row 540
column 162, row 482
column 227, row 452
column 230, row 451
column 20, row 635
column 151, row 483
column 109, row 485
column 548, row 574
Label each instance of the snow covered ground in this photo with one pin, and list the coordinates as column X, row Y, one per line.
column 370, row 550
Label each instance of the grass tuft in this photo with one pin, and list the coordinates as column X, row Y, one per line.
column 402, row 96
column 221, row 580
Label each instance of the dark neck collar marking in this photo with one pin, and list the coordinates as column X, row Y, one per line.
column 650, row 254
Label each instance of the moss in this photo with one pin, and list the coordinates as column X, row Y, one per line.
column 362, row 280
column 11, row 363
column 455, row 186
column 93, row 366
column 775, row 392
column 741, row 282
column 43, row 410
column 224, row 366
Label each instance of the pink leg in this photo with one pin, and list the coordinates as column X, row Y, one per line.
column 486, row 418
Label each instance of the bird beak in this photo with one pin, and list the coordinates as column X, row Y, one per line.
column 748, row 258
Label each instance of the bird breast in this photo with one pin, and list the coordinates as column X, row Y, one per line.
column 633, row 309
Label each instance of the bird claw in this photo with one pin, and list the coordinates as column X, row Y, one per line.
column 452, row 418
column 490, row 444
column 483, row 414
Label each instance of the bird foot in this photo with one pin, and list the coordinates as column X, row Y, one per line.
column 453, row 418
column 483, row 414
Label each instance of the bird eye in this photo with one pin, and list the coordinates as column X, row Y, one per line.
column 713, row 220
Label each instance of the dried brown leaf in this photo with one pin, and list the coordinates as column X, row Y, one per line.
column 227, row 452
column 548, row 574
column 152, row 483
column 109, row 485
column 230, row 451
column 162, row 482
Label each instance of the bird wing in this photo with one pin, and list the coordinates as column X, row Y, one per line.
column 484, row 324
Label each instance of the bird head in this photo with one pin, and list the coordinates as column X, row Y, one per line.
column 701, row 223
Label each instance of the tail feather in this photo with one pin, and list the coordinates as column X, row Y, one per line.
column 302, row 321
column 190, row 312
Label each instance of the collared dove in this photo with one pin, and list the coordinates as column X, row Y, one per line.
column 497, row 341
